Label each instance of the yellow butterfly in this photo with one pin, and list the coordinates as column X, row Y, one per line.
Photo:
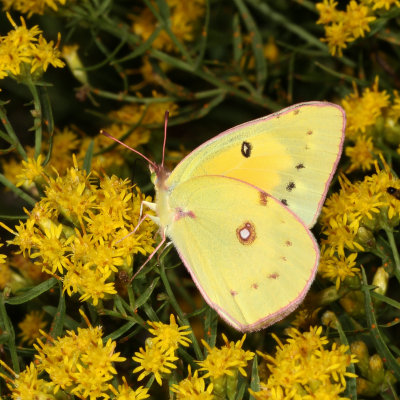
column 238, row 210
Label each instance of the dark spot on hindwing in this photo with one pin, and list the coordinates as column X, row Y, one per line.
column 309, row 132
column 246, row 149
column 290, row 186
column 300, row 166
column 263, row 198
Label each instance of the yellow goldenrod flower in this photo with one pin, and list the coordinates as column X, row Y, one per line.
column 384, row 3
column 169, row 336
column 337, row 268
column 358, row 19
column 154, row 361
column 31, row 7
column 303, row 368
column 327, row 12
column 27, row 385
column 89, row 256
column 183, row 19
column 24, row 237
column 52, row 248
column 361, row 154
column 343, row 27
column 124, row 392
column 2, row 256
column 193, row 388
column 32, row 170
column 362, row 112
column 25, row 51
column 79, row 363
column 30, row 326
column 223, row 365
column 5, row 271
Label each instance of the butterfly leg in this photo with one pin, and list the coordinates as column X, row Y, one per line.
column 163, row 238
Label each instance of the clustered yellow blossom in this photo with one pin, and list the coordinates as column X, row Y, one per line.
column 78, row 363
column 26, row 53
column 159, row 355
column 31, row 326
column 31, row 7
column 345, row 26
column 372, row 119
column 131, row 125
column 27, row 385
column 93, row 244
column 222, row 365
column 305, row 368
column 342, row 27
column 350, row 217
column 193, row 387
column 184, row 18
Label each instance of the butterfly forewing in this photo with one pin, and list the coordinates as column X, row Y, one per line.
column 292, row 155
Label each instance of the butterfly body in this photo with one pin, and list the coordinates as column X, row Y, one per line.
column 238, row 210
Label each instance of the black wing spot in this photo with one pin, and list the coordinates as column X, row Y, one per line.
column 300, row 166
column 284, row 201
column 290, row 186
column 246, row 149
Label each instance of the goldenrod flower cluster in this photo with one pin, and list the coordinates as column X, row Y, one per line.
column 94, row 243
column 25, row 52
column 345, row 26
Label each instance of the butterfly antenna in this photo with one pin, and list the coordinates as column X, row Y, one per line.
column 165, row 137
column 130, row 148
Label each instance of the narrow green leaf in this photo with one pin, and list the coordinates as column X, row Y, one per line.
column 255, row 377
column 237, row 39
column 32, row 293
column 375, row 335
column 142, row 299
column 351, row 386
column 8, row 329
column 256, row 44
column 87, row 162
column 20, row 193
column 210, row 326
column 120, row 331
column 386, row 299
column 59, row 317
column 203, row 36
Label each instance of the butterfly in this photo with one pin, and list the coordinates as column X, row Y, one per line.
column 239, row 209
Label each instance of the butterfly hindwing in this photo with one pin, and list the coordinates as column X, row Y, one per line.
column 252, row 259
column 291, row 155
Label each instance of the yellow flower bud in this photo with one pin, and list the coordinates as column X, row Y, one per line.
column 71, row 56
column 381, row 279
column 360, row 350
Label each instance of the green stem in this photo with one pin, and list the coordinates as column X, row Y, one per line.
column 10, row 131
column 37, row 117
column 178, row 310
column 395, row 252
column 20, row 193
column 9, row 330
